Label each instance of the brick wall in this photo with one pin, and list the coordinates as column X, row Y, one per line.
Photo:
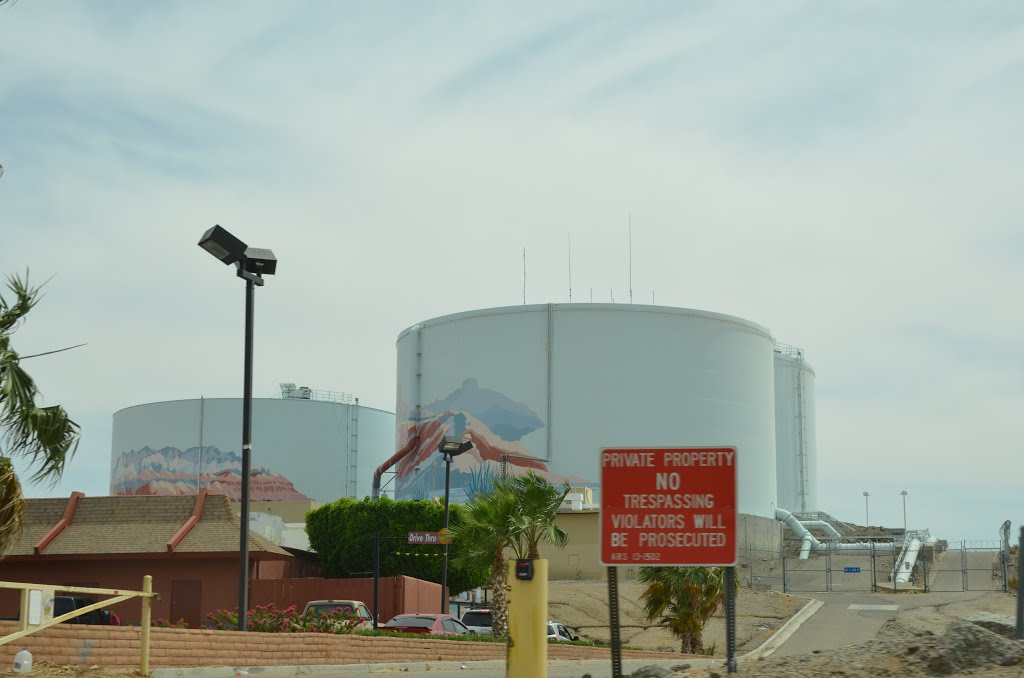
column 113, row 646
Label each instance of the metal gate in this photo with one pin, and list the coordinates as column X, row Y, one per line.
column 849, row 570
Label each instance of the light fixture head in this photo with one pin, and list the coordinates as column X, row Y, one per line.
column 260, row 261
column 453, row 447
column 221, row 244
column 904, row 493
column 866, row 494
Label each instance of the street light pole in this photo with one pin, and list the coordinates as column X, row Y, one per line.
column 243, row 542
column 444, row 547
column 251, row 265
column 449, row 449
column 867, row 519
column 904, row 493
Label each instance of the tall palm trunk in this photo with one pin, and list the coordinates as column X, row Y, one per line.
column 499, row 609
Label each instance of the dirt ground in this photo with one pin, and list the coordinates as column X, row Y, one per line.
column 583, row 605
column 930, row 641
column 51, row 670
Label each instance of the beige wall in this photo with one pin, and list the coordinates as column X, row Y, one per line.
column 580, row 559
column 289, row 511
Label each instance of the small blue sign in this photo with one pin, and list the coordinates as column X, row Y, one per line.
column 853, row 570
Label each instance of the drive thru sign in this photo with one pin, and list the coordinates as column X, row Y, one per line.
column 668, row 506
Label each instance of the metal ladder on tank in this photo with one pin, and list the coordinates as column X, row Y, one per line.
column 353, row 450
column 801, row 416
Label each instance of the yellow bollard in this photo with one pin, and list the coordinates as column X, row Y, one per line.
column 147, row 587
column 528, row 623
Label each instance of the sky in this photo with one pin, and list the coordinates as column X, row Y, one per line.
column 847, row 175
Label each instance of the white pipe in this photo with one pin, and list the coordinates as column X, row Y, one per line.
column 810, row 543
column 832, row 532
column 908, row 560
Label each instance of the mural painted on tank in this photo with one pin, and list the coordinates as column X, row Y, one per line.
column 170, row 471
column 494, row 423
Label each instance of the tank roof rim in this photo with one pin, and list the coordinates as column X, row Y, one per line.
column 577, row 307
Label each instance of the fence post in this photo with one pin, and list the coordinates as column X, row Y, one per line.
column 1020, row 587
column 874, row 569
column 785, row 579
column 924, row 566
column 147, row 587
column 963, row 565
column 750, row 563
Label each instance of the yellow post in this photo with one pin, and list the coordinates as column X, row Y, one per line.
column 528, row 623
column 147, row 587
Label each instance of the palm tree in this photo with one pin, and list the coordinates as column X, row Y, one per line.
column 537, row 503
column 683, row 599
column 483, row 535
column 517, row 513
column 46, row 436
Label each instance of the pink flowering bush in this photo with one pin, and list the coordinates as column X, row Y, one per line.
column 271, row 619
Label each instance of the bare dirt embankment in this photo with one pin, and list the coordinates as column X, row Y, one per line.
column 928, row 641
column 583, row 605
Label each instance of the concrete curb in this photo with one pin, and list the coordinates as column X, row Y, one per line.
column 364, row 669
column 788, row 629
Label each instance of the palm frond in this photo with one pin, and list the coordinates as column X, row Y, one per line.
column 12, row 505
column 45, row 435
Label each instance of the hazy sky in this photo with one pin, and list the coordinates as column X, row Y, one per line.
column 846, row 174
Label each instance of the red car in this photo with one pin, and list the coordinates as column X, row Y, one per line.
column 432, row 624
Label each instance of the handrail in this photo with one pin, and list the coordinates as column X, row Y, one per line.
column 119, row 596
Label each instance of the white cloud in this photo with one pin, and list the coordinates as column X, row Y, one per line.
column 845, row 177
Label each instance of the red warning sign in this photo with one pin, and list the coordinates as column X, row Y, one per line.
column 668, row 506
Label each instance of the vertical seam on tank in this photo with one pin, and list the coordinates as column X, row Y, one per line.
column 550, row 387
column 419, row 382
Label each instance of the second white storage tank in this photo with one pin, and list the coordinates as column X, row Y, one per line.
column 795, row 434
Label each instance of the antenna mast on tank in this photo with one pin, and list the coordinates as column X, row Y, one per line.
column 631, row 257
column 524, row 276
column 570, row 268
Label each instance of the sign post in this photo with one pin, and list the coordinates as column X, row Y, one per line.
column 671, row 507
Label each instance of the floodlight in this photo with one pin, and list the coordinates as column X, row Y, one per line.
column 221, row 244
column 260, row 261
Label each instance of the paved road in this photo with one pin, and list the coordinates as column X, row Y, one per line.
column 836, row 625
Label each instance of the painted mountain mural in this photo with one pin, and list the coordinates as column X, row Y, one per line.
column 506, row 418
column 493, row 422
column 170, row 471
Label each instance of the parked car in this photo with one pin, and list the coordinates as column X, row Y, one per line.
column 559, row 631
column 429, row 624
column 64, row 604
column 479, row 620
column 355, row 608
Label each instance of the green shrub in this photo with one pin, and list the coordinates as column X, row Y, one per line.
column 341, row 533
column 168, row 624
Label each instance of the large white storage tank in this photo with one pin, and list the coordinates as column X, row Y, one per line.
column 303, row 449
column 795, row 433
column 548, row 386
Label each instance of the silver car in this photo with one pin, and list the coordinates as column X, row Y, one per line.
column 559, row 631
column 478, row 620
